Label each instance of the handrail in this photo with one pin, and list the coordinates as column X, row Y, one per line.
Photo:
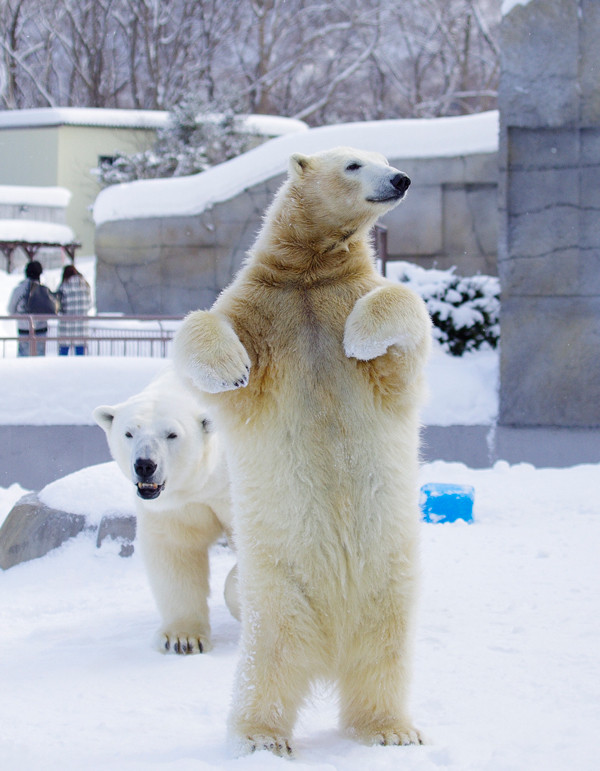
column 104, row 335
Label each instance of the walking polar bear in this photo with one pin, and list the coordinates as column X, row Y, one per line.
column 315, row 366
column 164, row 443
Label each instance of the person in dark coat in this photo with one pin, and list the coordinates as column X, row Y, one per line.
column 18, row 304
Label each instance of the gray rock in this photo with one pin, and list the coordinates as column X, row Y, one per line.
column 118, row 527
column 32, row 529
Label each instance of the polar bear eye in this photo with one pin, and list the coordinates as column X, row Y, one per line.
column 172, row 435
column 354, row 166
column 128, row 434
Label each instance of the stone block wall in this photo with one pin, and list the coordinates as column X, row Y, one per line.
column 549, row 245
column 450, row 216
column 171, row 265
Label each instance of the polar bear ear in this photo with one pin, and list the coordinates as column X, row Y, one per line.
column 104, row 417
column 299, row 164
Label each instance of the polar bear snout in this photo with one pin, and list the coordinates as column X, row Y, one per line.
column 147, row 488
column 401, row 183
column 391, row 188
column 144, row 468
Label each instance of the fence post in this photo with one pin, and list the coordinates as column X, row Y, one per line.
column 31, row 336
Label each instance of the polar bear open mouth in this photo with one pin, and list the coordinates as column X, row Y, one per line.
column 149, row 490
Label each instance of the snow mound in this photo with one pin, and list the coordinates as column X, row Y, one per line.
column 94, row 491
column 180, row 196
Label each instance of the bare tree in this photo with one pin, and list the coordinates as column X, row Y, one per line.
column 445, row 61
column 24, row 57
column 323, row 61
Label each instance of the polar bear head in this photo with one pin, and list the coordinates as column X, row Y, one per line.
column 159, row 439
column 346, row 185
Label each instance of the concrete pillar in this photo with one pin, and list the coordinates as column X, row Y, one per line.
column 549, row 242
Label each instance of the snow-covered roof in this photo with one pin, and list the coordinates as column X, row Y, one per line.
column 267, row 125
column 55, row 197
column 396, row 139
column 82, row 116
column 35, row 232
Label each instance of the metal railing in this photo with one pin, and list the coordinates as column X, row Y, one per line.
column 110, row 335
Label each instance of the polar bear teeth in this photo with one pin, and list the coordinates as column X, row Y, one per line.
column 149, row 489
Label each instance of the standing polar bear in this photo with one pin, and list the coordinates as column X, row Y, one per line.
column 315, row 363
column 164, row 443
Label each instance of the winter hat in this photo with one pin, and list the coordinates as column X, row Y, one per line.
column 33, row 270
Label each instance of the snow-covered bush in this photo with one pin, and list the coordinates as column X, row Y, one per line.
column 465, row 311
column 195, row 138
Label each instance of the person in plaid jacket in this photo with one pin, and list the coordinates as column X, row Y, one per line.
column 75, row 300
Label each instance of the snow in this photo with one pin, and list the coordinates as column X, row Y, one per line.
column 508, row 5
column 274, row 125
column 268, row 125
column 55, row 197
column 65, row 390
column 82, row 116
column 506, row 670
column 419, row 138
column 35, row 232
column 112, row 493
column 506, row 666
column 463, row 390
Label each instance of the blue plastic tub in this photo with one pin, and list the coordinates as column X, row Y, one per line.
column 443, row 502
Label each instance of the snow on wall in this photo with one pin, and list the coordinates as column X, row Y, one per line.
column 423, row 138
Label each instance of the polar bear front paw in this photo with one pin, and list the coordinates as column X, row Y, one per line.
column 384, row 317
column 208, row 351
column 183, row 643
column 224, row 375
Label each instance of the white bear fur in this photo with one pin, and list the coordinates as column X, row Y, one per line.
column 315, row 366
column 165, row 424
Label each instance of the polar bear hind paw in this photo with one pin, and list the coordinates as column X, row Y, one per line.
column 278, row 745
column 183, row 644
column 392, row 736
column 399, row 738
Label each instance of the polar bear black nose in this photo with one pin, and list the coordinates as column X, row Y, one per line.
column 401, row 182
column 144, row 467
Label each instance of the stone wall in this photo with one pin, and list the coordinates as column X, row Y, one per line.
column 549, row 246
column 450, row 216
column 171, row 265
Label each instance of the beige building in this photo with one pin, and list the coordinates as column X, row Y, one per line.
column 59, row 147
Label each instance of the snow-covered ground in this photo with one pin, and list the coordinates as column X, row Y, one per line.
column 506, row 675
column 506, row 672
